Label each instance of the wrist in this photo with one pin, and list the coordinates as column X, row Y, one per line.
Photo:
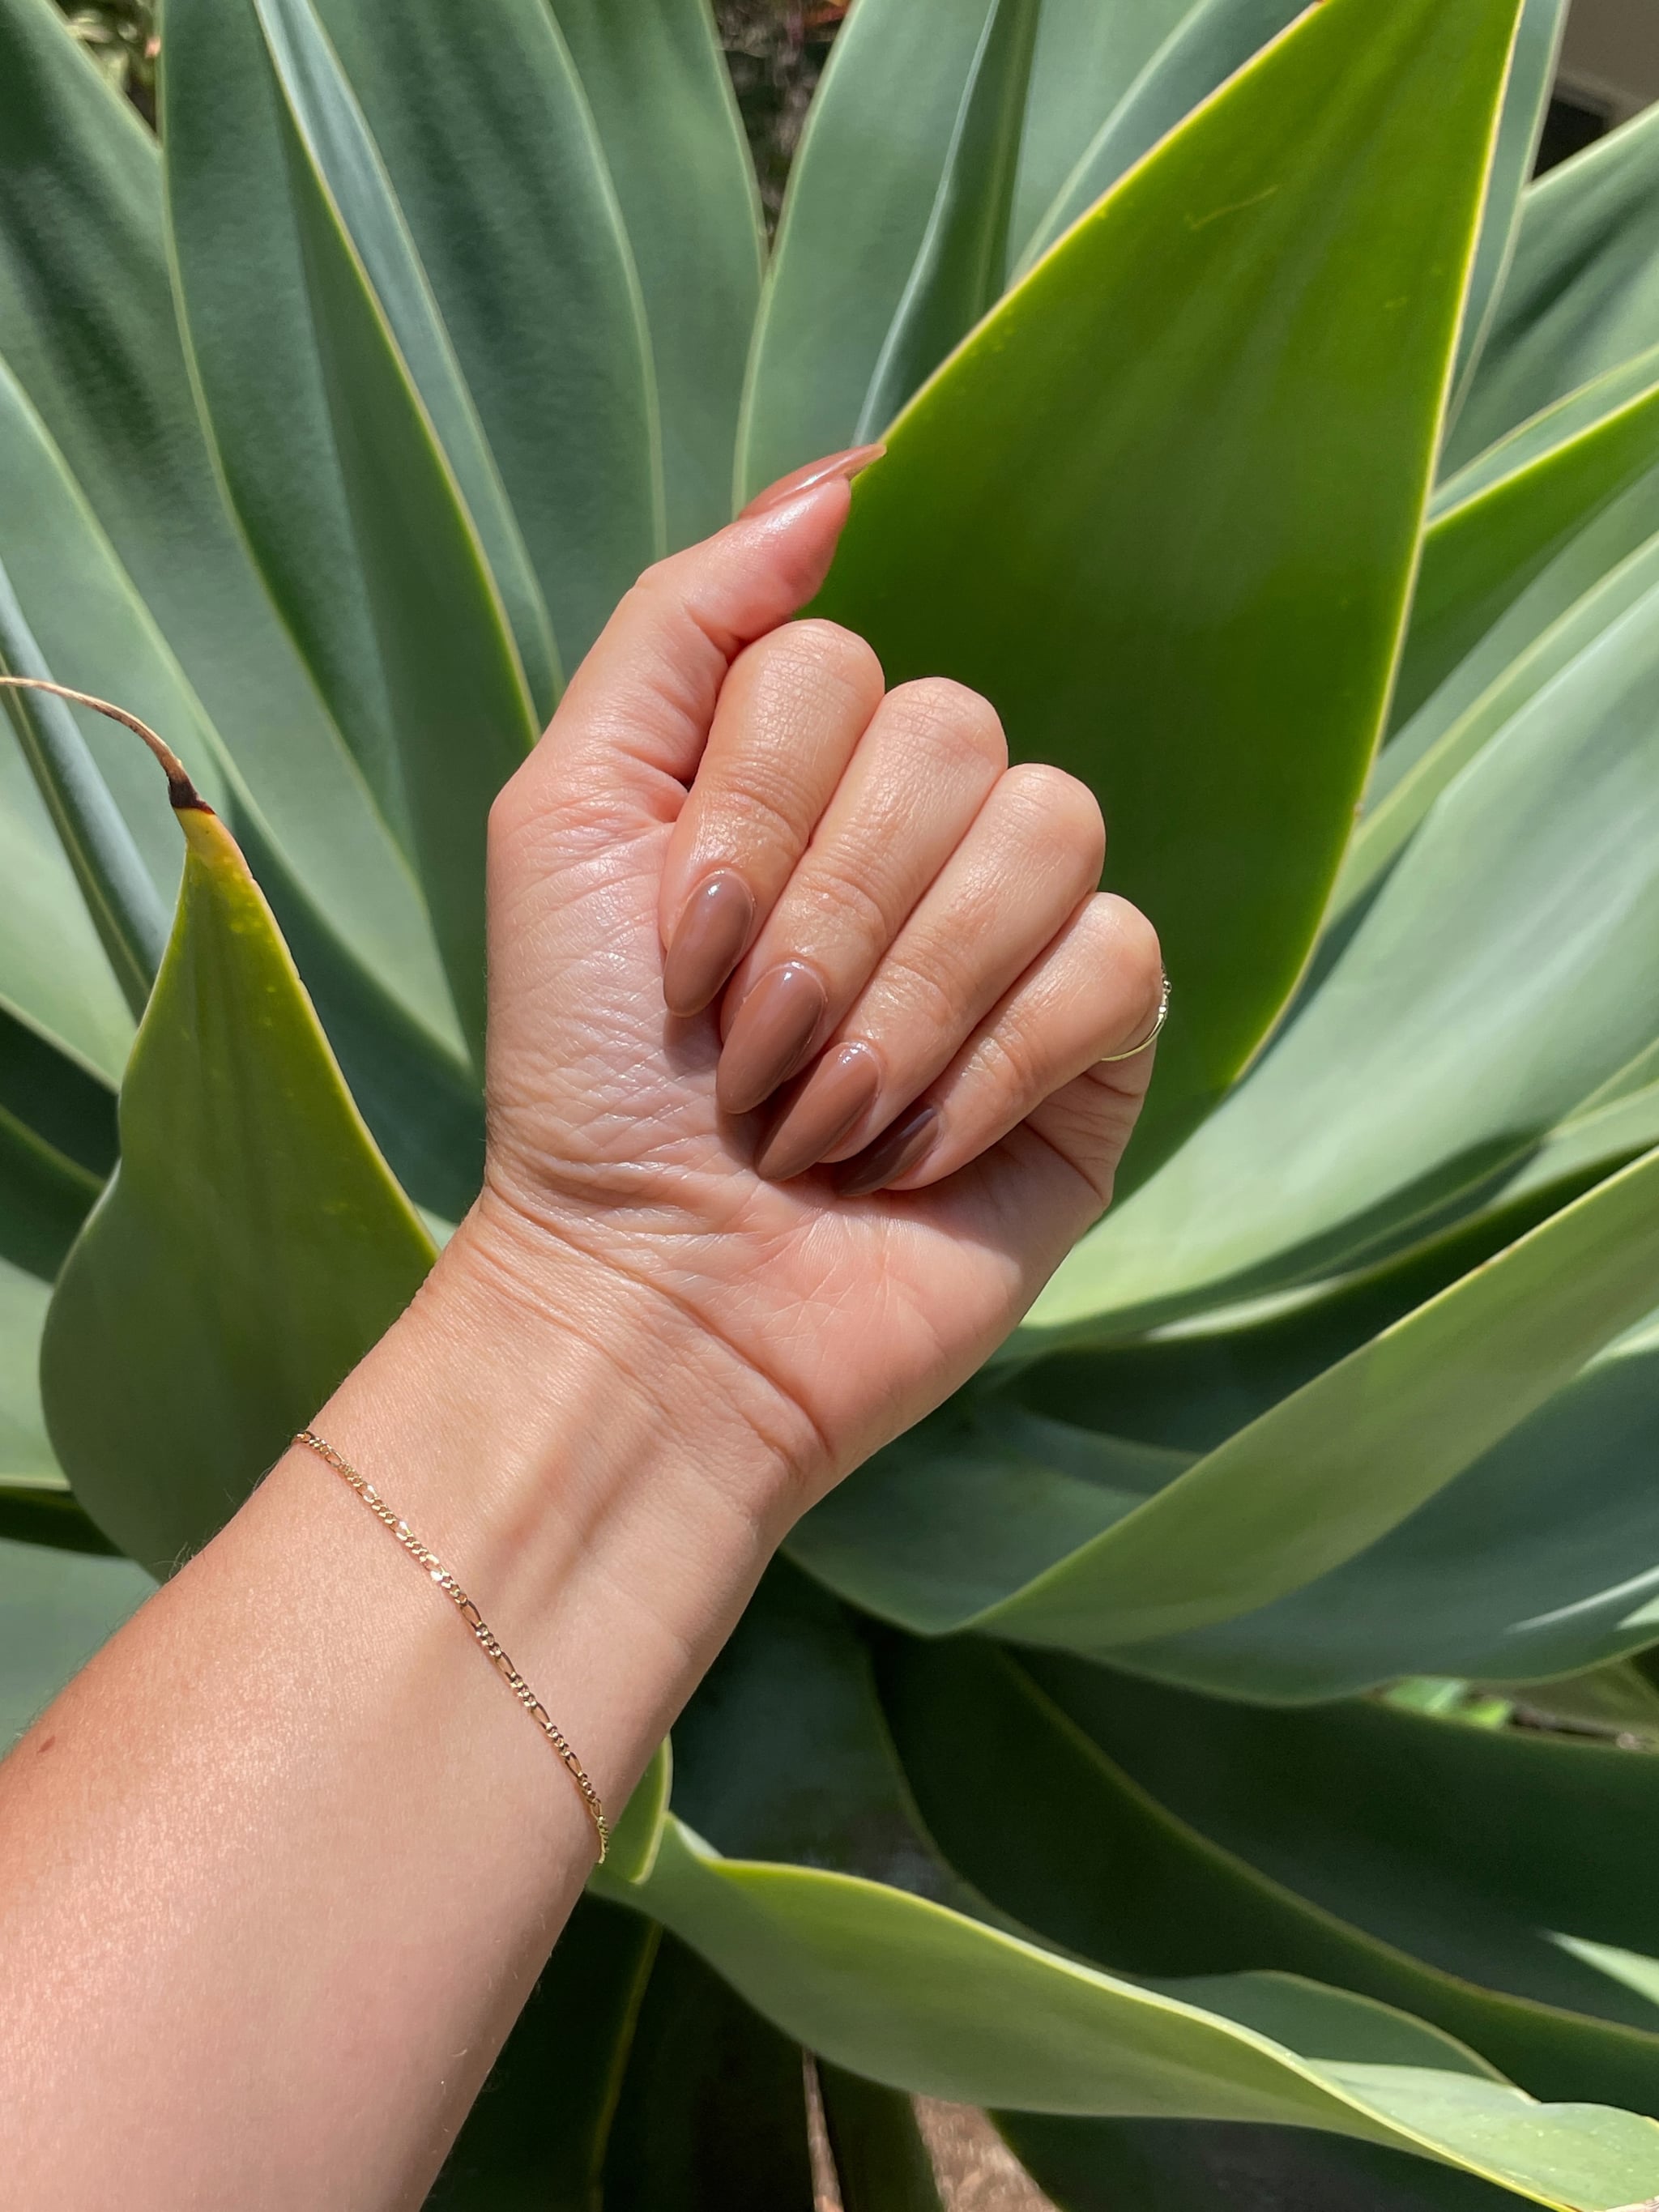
column 574, row 1457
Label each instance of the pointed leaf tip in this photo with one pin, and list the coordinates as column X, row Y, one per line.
column 181, row 792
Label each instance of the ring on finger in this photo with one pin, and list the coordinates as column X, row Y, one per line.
column 1106, row 1059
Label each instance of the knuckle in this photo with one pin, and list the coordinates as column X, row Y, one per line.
column 818, row 655
column 952, row 716
column 841, row 903
column 925, row 985
column 1009, row 1058
column 1060, row 803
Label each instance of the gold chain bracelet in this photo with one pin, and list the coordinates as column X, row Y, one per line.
column 474, row 1619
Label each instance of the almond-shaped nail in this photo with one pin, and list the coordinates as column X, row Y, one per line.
column 708, row 942
column 847, row 464
column 892, row 1155
column 771, row 1036
column 841, row 1087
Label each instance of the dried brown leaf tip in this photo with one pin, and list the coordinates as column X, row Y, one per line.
column 181, row 792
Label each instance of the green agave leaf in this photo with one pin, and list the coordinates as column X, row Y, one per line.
column 1089, row 52
column 492, row 153
column 903, row 1989
column 57, row 1146
column 1498, row 522
column 958, row 268
column 1526, row 100
column 880, row 2160
column 1101, row 1851
column 1203, row 50
column 454, row 681
column 862, row 189
column 535, row 2140
column 1581, row 293
column 1504, row 1860
column 43, row 1198
column 1162, row 2165
column 290, row 1248
column 26, row 1457
column 57, row 1098
column 88, row 327
column 421, row 1100
column 1543, row 1557
column 348, row 214
column 1449, row 730
column 1046, row 503
column 711, row 2116
column 1507, row 965
column 1307, row 1485
column 56, row 1609
column 661, row 99
column 109, row 871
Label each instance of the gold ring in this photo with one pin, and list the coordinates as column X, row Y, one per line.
column 1152, row 1035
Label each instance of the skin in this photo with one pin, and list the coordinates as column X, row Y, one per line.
column 284, row 1862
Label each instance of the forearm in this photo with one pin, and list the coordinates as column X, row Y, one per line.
column 289, row 1846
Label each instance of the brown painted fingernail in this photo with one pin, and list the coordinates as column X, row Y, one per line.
column 708, row 942
column 771, row 1036
column 839, row 1090
column 847, row 464
column 892, row 1155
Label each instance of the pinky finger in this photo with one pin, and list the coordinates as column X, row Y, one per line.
column 1042, row 1055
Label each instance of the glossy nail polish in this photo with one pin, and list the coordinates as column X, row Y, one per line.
column 770, row 1038
column 893, row 1154
column 847, row 464
column 841, row 1087
column 708, row 942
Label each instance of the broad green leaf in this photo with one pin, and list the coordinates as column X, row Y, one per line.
column 86, row 325
column 1508, row 965
column 904, row 1991
column 880, row 2160
column 422, row 1102
column 454, row 682
column 1582, row 293
column 290, row 1247
column 958, row 269
column 1309, row 1870
column 1494, row 526
column 661, row 98
column 1526, row 100
column 535, row 2140
column 1306, row 1485
column 712, row 2114
column 1213, row 40
column 1089, row 52
column 825, row 1779
column 1543, row 1557
column 1163, row 2165
column 492, row 153
column 1450, row 728
column 1498, row 1857
column 56, row 1608
column 862, row 194
column 1103, row 440
column 352, row 227
column 109, row 871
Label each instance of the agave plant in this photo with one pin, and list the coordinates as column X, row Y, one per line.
column 1247, row 405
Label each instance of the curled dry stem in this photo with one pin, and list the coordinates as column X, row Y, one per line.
column 180, row 790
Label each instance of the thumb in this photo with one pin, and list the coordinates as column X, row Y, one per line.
column 633, row 724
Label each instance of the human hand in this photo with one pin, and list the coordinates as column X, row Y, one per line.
column 798, row 999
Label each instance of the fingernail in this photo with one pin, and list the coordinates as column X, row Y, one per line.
column 770, row 1037
column 890, row 1156
column 847, row 463
column 707, row 941
column 840, row 1089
